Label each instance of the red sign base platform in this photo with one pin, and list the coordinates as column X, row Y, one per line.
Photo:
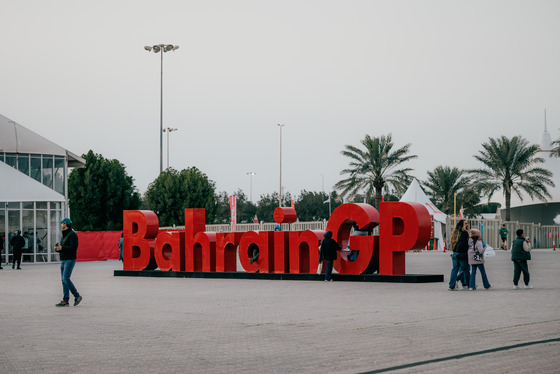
column 402, row 278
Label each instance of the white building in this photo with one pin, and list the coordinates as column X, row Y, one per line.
column 33, row 190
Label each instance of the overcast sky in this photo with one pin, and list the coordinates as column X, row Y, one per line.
column 442, row 75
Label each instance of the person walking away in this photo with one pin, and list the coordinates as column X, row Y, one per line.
column 121, row 245
column 503, row 235
column 68, row 249
column 327, row 252
column 17, row 243
column 460, row 246
column 520, row 254
column 476, row 260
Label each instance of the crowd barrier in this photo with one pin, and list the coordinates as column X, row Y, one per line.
column 98, row 245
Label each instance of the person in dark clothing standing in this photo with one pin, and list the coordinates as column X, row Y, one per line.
column 68, row 249
column 520, row 254
column 17, row 242
column 327, row 252
column 121, row 246
column 460, row 246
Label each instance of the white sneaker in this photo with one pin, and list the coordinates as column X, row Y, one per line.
column 528, row 286
column 516, row 287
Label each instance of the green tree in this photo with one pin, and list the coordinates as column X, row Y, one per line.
column 488, row 208
column 223, row 214
column 555, row 152
column 443, row 183
column 246, row 209
column 98, row 194
column 172, row 192
column 511, row 165
column 313, row 206
column 374, row 167
column 469, row 198
column 268, row 203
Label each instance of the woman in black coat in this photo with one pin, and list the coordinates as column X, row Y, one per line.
column 327, row 252
column 460, row 246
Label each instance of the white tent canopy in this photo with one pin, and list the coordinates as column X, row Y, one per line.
column 15, row 138
column 16, row 186
column 415, row 194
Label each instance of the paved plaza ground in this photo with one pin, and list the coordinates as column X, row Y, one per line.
column 170, row 325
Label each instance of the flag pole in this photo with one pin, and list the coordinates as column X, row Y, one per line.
column 454, row 209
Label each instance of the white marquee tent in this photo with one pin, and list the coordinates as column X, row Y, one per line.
column 19, row 139
column 415, row 194
column 16, row 186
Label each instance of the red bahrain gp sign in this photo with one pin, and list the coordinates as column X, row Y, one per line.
column 402, row 227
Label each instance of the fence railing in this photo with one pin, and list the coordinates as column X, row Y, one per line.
column 542, row 236
column 263, row 226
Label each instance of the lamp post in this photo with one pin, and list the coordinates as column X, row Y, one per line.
column 168, row 130
column 280, row 195
column 161, row 48
column 250, row 174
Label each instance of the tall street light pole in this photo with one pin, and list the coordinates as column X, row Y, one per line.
column 168, row 130
column 250, row 174
column 161, row 48
column 280, row 195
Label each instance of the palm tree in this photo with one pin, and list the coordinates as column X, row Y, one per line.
column 374, row 167
column 555, row 151
column 444, row 182
column 510, row 165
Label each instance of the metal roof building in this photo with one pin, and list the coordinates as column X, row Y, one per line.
column 33, row 190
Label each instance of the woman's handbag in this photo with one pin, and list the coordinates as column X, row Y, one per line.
column 477, row 256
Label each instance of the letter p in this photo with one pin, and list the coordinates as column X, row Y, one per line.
column 402, row 227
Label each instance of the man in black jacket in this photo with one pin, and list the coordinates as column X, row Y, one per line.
column 68, row 249
column 328, row 250
column 17, row 242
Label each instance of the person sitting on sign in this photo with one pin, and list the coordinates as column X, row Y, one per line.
column 353, row 255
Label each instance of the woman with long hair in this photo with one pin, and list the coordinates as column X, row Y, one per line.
column 476, row 260
column 459, row 246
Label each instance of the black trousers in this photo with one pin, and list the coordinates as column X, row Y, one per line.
column 520, row 266
column 17, row 257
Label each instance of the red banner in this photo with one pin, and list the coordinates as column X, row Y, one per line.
column 233, row 208
column 98, row 245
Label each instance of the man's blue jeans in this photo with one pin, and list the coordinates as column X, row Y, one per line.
column 460, row 261
column 328, row 272
column 66, row 267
